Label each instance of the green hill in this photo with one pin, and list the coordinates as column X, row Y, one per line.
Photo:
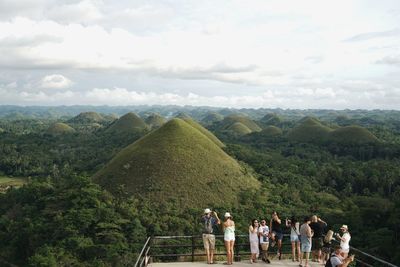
column 129, row 123
column 238, row 129
column 271, row 131
column 211, row 118
column 204, row 131
column 352, row 135
column 231, row 119
column 271, row 119
column 87, row 117
column 155, row 121
column 309, row 130
column 59, row 129
column 179, row 164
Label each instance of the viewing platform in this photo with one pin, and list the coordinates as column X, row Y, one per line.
column 277, row 263
column 180, row 251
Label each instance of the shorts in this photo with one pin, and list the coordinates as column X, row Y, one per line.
column 305, row 247
column 317, row 243
column 209, row 241
column 264, row 246
column 294, row 238
column 278, row 235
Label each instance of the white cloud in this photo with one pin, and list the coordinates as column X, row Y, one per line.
column 273, row 53
column 55, row 81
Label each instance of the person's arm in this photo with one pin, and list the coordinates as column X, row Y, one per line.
column 320, row 220
column 309, row 232
column 216, row 217
column 270, row 224
column 278, row 220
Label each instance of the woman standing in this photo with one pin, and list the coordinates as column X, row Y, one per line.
column 229, row 237
column 294, row 237
column 253, row 238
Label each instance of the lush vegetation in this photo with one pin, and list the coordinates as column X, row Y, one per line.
column 350, row 175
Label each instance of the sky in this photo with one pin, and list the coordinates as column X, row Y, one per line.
column 342, row 54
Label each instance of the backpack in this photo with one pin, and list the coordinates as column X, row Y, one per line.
column 208, row 226
column 328, row 262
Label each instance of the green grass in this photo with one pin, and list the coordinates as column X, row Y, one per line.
column 155, row 120
column 238, row 129
column 309, row 130
column 177, row 164
column 352, row 135
column 11, row 181
column 212, row 117
column 204, row 131
column 60, row 128
column 229, row 120
column 271, row 131
column 87, row 117
column 129, row 123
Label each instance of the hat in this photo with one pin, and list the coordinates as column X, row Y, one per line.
column 206, row 211
column 344, row 227
column 227, row 214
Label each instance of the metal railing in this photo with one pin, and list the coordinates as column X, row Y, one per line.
column 190, row 248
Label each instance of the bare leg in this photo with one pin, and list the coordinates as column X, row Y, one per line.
column 294, row 251
column 228, row 250
column 232, row 244
column 279, row 247
column 208, row 255
column 211, row 255
column 298, row 250
column 307, row 257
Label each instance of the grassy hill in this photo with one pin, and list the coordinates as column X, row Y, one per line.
column 238, row 129
column 129, row 123
column 271, row 131
column 271, row 119
column 231, row 119
column 309, row 130
column 212, row 117
column 180, row 164
column 352, row 135
column 155, row 120
column 204, row 131
column 59, row 129
column 6, row 182
column 87, row 117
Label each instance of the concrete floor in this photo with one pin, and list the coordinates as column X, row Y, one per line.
column 274, row 263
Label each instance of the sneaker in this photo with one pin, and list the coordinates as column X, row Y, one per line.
column 268, row 261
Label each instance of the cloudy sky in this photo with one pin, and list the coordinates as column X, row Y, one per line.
column 244, row 53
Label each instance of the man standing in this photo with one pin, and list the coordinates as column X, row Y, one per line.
column 339, row 261
column 277, row 235
column 344, row 240
column 209, row 220
column 318, row 226
column 305, row 239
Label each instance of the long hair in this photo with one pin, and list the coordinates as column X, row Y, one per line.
column 253, row 222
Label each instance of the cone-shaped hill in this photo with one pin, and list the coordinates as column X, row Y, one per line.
column 129, row 123
column 87, row 117
column 177, row 163
column 352, row 135
column 271, row 131
column 231, row 119
column 238, row 129
column 60, row 129
column 155, row 121
column 271, row 119
column 309, row 130
column 204, row 131
column 212, row 117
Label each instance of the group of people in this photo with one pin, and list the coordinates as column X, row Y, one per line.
column 305, row 237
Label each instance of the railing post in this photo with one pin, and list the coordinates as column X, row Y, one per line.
column 192, row 248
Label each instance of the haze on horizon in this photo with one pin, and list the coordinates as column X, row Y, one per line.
column 265, row 53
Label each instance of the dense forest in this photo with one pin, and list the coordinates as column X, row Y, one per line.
column 340, row 165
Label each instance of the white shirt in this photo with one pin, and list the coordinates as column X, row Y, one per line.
column 344, row 243
column 264, row 230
